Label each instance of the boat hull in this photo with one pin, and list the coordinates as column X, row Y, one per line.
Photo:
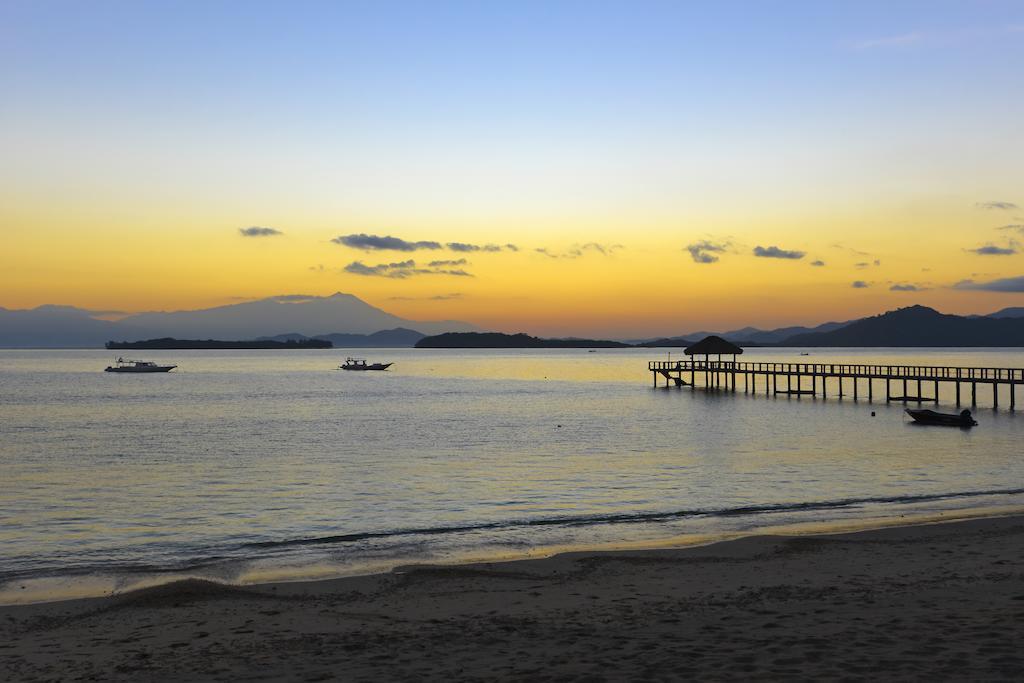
column 364, row 368
column 930, row 417
column 155, row 368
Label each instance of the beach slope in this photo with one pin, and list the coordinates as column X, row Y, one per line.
column 939, row 601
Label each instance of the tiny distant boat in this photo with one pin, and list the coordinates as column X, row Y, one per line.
column 930, row 417
column 123, row 365
column 804, row 354
column 361, row 364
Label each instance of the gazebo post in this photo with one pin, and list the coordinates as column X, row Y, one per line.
column 720, row 374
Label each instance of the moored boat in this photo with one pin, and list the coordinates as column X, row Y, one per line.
column 361, row 364
column 930, row 417
column 124, row 365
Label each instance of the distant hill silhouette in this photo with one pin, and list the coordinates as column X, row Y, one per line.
column 1012, row 312
column 671, row 342
column 744, row 336
column 918, row 326
column 399, row 337
column 59, row 326
column 498, row 340
column 170, row 343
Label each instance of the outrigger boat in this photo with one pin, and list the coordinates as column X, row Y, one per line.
column 123, row 365
column 930, row 417
column 361, row 364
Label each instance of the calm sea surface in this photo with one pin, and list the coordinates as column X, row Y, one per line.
column 262, row 465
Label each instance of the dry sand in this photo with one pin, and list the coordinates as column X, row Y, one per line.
column 926, row 602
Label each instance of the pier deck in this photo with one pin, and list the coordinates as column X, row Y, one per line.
column 726, row 375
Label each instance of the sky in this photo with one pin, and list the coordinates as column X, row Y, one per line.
column 560, row 168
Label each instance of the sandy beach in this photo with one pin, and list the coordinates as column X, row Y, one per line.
column 941, row 601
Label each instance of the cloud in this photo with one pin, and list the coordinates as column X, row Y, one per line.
column 403, row 269
column 1006, row 284
column 1019, row 227
column 865, row 264
column 385, row 243
column 855, row 252
column 579, row 250
column 463, row 246
column 776, row 252
column 257, row 231
column 904, row 287
column 859, row 284
column 704, row 251
column 818, row 263
column 997, row 206
column 436, row 297
column 944, row 38
column 899, row 40
column 449, row 262
column 994, row 250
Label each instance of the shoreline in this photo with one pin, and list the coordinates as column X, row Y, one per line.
column 941, row 598
column 101, row 586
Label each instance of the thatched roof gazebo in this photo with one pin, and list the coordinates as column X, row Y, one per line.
column 713, row 345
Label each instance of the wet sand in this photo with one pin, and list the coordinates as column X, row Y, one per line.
column 943, row 601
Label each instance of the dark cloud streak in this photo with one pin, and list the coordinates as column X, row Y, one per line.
column 776, row 252
column 704, row 251
column 385, row 243
column 406, row 269
column 257, row 231
column 1006, row 284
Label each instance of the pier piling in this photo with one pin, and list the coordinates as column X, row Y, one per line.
column 725, row 374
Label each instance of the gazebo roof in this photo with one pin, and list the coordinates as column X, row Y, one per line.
column 713, row 345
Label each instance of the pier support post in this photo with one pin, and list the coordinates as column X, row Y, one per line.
column 1013, row 396
column 871, row 395
column 936, row 392
column 995, row 394
column 904, row 391
column 888, row 390
column 840, row 378
column 854, row 388
column 958, row 393
column 974, row 394
column 814, row 385
column 918, row 391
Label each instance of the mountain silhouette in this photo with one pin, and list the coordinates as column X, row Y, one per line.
column 1012, row 312
column 499, row 340
column 399, row 337
column 307, row 315
column 918, row 326
column 67, row 326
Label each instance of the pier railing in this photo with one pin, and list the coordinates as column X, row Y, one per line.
column 913, row 372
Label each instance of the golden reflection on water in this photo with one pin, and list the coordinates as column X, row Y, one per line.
column 281, row 446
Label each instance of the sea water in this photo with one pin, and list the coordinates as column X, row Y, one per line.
column 250, row 466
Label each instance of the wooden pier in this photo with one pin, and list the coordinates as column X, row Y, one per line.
column 912, row 382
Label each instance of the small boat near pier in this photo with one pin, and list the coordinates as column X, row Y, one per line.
column 930, row 417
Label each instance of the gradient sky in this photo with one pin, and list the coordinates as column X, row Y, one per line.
column 630, row 141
